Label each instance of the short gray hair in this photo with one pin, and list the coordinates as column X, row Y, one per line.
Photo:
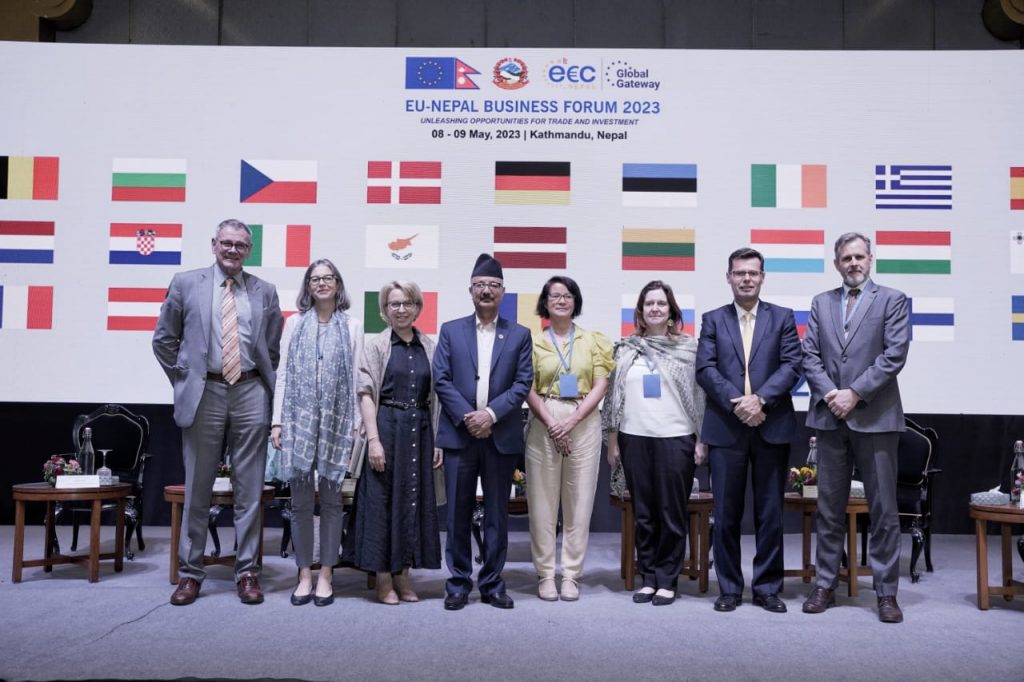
column 235, row 224
column 410, row 289
column 848, row 237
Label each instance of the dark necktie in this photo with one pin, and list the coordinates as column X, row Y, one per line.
column 851, row 301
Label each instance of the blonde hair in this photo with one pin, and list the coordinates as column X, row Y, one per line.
column 411, row 291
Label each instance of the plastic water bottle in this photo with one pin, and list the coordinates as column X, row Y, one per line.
column 1017, row 474
column 86, row 454
column 812, row 453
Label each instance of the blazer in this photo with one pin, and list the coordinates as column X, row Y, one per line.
column 182, row 334
column 774, row 370
column 868, row 359
column 455, row 377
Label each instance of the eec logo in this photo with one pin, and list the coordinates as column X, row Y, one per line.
column 561, row 73
column 510, row 74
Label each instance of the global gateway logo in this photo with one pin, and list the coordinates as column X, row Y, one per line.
column 621, row 74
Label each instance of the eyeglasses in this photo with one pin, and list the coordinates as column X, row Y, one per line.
column 326, row 279
column 493, row 286
column 743, row 274
column 227, row 245
column 561, row 297
column 399, row 305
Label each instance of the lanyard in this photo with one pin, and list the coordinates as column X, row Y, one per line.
column 566, row 363
column 651, row 367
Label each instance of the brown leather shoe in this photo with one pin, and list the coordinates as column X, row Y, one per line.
column 889, row 611
column 186, row 592
column 249, row 589
column 819, row 600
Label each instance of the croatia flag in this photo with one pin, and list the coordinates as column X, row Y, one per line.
column 145, row 244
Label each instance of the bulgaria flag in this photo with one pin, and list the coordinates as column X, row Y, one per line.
column 374, row 324
column 687, row 304
column 790, row 250
column 133, row 309
column 148, row 180
column 29, row 177
column 279, row 246
column 913, row 253
column 788, row 185
column 26, row 307
column 530, row 247
column 403, row 182
column 278, row 182
column 145, row 244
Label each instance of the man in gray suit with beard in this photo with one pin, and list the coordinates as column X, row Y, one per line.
column 218, row 340
column 856, row 344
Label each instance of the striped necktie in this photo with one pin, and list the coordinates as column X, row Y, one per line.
column 231, row 353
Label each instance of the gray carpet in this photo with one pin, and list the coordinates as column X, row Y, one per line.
column 58, row 626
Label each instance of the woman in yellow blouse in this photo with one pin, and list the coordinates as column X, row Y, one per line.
column 563, row 439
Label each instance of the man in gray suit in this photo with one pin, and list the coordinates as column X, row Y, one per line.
column 218, row 340
column 856, row 343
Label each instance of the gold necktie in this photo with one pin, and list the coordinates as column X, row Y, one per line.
column 231, row 352
column 748, row 338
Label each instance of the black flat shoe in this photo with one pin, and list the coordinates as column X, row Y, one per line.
column 498, row 600
column 642, row 597
column 728, row 602
column 300, row 601
column 770, row 602
column 455, row 602
column 323, row 601
column 659, row 600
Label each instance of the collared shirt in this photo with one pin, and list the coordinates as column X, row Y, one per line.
column 484, row 350
column 591, row 359
column 242, row 309
column 741, row 311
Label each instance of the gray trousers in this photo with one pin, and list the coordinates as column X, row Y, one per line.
column 303, row 500
column 875, row 457
column 239, row 416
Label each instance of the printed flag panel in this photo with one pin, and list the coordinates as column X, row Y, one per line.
column 1017, row 318
column 439, row 73
column 530, row 247
column 26, row 307
column 278, row 182
column 801, row 307
column 532, row 182
column 373, row 323
column 687, row 304
column 403, row 182
column 402, row 246
column 145, row 244
column 35, row 178
column 903, row 186
column 288, row 300
column 279, row 246
column 1017, row 188
column 26, row 241
column 913, row 252
column 522, row 308
column 931, row 319
column 148, row 180
column 653, row 248
column 659, row 184
column 1017, row 252
column 788, row 185
column 133, row 309
column 790, row 250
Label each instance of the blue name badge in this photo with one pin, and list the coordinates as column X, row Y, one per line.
column 652, row 385
column 568, row 387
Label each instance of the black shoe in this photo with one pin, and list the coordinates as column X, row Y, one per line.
column 323, row 601
column 819, row 600
column 499, row 600
column 889, row 611
column 642, row 597
column 770, row 602
column 659, row 600
column 454, row 602
column 728, row 602
column 304, row 599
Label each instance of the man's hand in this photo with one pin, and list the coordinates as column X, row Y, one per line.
column 842, row 401
column 749, row 410
column 478, row 423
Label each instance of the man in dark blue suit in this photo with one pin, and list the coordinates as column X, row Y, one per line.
column 748, row 360
column 483, row 370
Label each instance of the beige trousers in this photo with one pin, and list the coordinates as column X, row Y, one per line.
column 572, row 480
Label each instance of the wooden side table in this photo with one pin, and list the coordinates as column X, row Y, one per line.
column 175, row 494
column 1006, row 516
column 699, row 508
column 44, row 492
column 807, row 506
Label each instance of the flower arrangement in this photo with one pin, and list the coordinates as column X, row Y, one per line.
column 58, row 466
column 224, row 470
column 519, row 481
column 801, row 476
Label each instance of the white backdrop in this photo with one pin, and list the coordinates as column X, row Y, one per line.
column 201, row 112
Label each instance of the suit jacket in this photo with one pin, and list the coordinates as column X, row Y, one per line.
column 867, row 359
column 774, row 369
column 455, row 378
column 182, row 335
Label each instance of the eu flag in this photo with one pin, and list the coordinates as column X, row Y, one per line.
column 438, row 73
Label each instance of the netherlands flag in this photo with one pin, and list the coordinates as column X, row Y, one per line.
column 26, row 241
column 26, row 307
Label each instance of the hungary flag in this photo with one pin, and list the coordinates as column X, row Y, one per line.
column 148, row 180
column 279, row 246
column 908, row 252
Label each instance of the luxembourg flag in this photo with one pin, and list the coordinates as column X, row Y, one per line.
column 687, row 303
column 931, row 319
column 133, row 309
column 790, row 250
column 145, row 244
column 26, row 307
column 278, row 182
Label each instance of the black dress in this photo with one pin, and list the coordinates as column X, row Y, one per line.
column 395, row 524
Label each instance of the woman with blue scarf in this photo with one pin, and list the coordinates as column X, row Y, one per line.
column 316, row 419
